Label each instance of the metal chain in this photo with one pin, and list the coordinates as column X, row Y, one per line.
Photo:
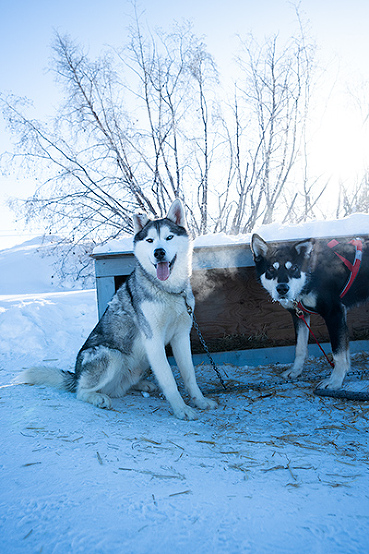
column 204, row 345
column 256, row 386
column 357, row 372
column 272, row 384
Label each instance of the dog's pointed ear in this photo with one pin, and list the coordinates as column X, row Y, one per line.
column 139, row 222
column 177, row 213
column 304, row 247
column 259, row 247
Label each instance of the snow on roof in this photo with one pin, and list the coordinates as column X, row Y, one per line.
column 353, row 225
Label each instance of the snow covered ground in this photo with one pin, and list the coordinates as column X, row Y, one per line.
column 271, row 470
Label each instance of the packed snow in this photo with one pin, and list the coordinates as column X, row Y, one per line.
column 272, row 469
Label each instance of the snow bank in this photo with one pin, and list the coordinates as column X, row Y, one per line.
column 42, row 311
column 42, row 264
column 38, row 327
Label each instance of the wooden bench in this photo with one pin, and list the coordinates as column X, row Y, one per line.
column 237, row 318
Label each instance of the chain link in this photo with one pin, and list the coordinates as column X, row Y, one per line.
column 280, row 383
column 360, row 372
column 204, row 345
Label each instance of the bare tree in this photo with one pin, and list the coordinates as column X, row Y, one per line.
column 100, row 163
column 270, row 110
column 142, row 125
column 353, row 197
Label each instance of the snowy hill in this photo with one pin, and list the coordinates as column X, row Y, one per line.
column 273, row 469
column 26, row 268
column 43, row 265
column 42, row 311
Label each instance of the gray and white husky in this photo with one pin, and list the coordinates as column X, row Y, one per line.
column 150, row 310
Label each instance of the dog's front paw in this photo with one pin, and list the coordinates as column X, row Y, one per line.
column 332, row 383
column 95, row 398
column 185, row 412
column 102, row 401
column 205, row 403
column 291, row 373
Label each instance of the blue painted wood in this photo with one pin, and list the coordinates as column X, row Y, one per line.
column 105, row 288
column 115, row 265
column 265, row 356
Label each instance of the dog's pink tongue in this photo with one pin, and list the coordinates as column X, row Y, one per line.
column 162, row 271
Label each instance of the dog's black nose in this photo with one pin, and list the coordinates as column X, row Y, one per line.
column 159, row 253
column 283, row 289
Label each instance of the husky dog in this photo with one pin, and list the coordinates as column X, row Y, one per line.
column 151, row 309
column 316, row 276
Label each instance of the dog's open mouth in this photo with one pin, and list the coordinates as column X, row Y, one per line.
column 163, row 269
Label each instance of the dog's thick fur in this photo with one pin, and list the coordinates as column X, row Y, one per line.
column 310, row 272
column 149, row 311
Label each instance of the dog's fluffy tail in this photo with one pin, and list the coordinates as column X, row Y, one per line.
column 52, row 376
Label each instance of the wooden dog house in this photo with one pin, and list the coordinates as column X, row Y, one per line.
column 237, row 318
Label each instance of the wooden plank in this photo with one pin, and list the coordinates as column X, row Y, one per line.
column 218, row 257
column 105, row 287
column 234, row 312
column 111, row 267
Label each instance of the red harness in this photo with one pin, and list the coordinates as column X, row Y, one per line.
column 354, row 268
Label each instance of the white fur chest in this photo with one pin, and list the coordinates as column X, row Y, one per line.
column 167, row 317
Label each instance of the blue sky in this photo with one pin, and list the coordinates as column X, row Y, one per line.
column 27, row 28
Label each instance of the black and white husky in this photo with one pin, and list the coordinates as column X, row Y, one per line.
column 151, row 309
column 316, row 276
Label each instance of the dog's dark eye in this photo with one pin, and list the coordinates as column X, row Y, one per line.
column 150, row 240
column 270, row 272
column 169, row 237
column 294, row 269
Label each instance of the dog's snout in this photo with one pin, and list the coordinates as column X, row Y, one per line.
column 283, row 289
column 159, row 254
